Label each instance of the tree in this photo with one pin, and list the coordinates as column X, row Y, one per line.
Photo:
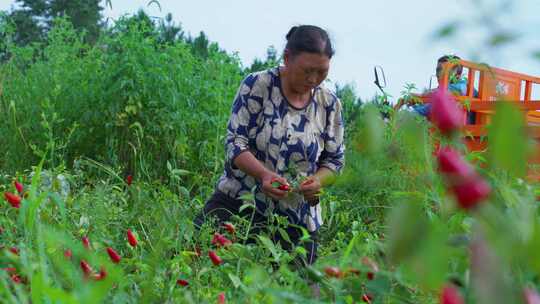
column 169, row 32
column 34, row 18
column 271, row 60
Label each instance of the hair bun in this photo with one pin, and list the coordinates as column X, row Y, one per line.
column 291, row 32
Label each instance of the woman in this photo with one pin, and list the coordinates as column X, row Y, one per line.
column 284, row 127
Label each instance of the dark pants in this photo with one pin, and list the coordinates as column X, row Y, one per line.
column 222, row 207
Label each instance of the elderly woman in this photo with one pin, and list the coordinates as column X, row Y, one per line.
column 284, row 141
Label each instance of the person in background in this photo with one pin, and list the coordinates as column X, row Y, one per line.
column 456, row 84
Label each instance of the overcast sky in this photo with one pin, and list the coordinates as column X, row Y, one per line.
column 398, row 35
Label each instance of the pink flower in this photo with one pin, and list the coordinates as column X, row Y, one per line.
column 445, row 113
column 450, row 295
column 471, row 192
column 451, row 163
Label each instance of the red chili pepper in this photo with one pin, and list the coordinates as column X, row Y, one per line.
column 280, row 186
column 450, row 295
column 216, row 260
column 101, row 275
column 16, row 278
column 13, row 199
column 445, row 113
column 115, row 257
column 221, row 298
column 284, row 187
column 86, row 268
column 471, row 192
column 220, row 240
column 333, row 272
column 129, row 180
column 19, row 187
column 86, row 242
column 131, row 238
column 370, row 275
column 366, row 298
column 229, row 227
column 14, row 250
column 182, row 282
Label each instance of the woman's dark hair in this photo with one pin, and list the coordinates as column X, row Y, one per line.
column 310, row 39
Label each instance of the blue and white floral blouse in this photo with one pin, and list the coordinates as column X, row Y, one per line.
column 280, row 136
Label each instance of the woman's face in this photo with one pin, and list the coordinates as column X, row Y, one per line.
column 305, row 71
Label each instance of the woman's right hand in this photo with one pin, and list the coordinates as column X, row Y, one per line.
column 268, row 189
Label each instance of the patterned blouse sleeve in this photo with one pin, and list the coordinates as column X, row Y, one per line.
column 243, row 120
column 333, row 155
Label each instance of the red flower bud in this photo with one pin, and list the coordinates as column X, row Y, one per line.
column 221, row 298
column 452, row 164
column 86, row 268
column 129, row 179
column 220, row 240
column 182, row 282
column 131, row 238
column 115, row 257
column 13, row 199
column 471, row 192
column 86, row 242
column 450, row 295
column 68, row 254
column 445, row 113
column 216, row 260
column 333, row 272
column 370, row 275
column 19, row 187
column 229, row 227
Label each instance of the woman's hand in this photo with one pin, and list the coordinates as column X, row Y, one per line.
column 311, row 188
column 274, row 192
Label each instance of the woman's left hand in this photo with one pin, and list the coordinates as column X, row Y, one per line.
column 311, row 188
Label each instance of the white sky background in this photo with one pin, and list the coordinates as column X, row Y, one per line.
column 396, row 34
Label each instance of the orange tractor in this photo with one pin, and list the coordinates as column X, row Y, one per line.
column 486, row 86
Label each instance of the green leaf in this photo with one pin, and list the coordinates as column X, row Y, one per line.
column 501, row 38
column 447, row 30
column 270, row 246
column 408, row 229
column 235, row 280
column 536, row 55
column 508, row 140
